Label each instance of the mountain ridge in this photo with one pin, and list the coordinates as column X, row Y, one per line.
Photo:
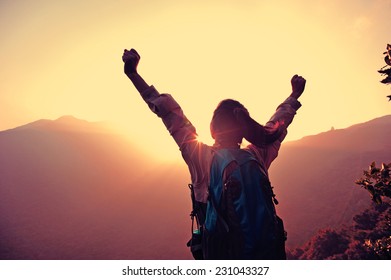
column 71, row 194
column 66, row 122
column 324, row 167
column 73, row 123
column 383, row 120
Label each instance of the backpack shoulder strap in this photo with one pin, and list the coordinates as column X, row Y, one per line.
column 243, row 157
column 221, row 160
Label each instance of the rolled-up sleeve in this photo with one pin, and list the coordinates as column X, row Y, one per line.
column 165, row 107
column 197, row 155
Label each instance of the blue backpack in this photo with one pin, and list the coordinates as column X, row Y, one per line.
column 239, row 220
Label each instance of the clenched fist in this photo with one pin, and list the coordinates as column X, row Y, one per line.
column 131, row 59
column 298, row 85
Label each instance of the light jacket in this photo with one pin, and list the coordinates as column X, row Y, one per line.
column 197, row 155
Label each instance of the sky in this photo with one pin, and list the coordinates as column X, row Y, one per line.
column 64, row 58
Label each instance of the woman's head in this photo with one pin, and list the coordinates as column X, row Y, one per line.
column 231, row 122
column 224, row 126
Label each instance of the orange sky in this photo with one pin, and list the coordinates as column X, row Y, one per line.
column 64, row 58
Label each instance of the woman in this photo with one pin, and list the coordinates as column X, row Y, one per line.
column 230, row 123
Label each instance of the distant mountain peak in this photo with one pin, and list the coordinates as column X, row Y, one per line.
column 71, row 120
column 65, row 123
column 67, row 118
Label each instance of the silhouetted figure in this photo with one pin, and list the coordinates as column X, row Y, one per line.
column 231, row 122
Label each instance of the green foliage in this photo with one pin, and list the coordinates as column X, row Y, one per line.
column 369, row 237
column 376, row 239
column 380, row 247
column 384, row 71
column 377, row 181
column 328, row 242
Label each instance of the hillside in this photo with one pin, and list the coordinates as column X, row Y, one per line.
column 85, row 193
column 314, row 177
column 71, row 189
